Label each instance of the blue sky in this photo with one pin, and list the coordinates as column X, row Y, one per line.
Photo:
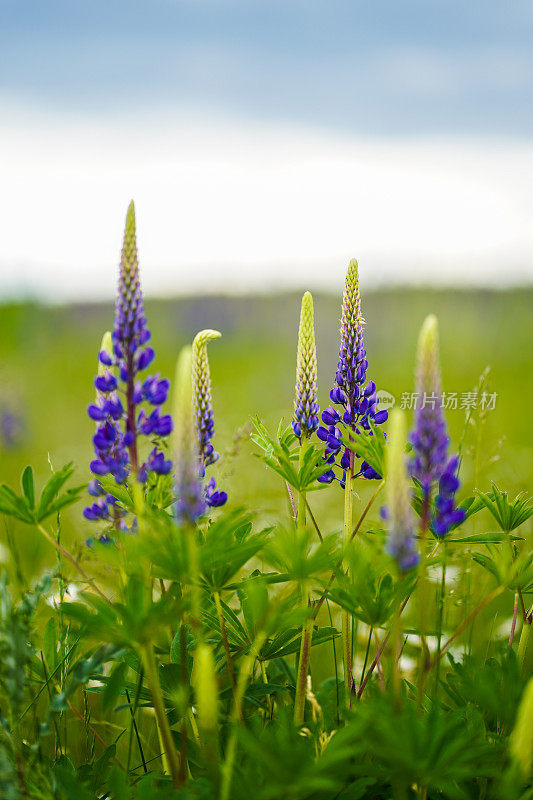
column 434, row 66
column 283, row 137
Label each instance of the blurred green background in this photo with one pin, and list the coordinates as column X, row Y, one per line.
column 48, row 362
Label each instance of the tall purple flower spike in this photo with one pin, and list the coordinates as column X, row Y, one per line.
column 430, row 464
column 356, row 402
column 116, row 440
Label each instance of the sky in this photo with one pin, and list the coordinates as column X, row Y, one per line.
column 265, row 143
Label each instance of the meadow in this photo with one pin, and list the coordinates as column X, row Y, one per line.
column 91, row 726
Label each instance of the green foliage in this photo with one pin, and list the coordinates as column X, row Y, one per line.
column 281, row 454
column 52, row 499
column 370, row 446
column 369, row 592
column 509, row 515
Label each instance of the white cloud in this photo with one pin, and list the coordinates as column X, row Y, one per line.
column 228, row 205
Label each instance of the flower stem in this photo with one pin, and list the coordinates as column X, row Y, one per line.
column 523, row 641
column 307, row 627
column 440, row 614
column 422, row 604
column 225, row 642
column 152, row 675
column 346, row 621
column 244, row 675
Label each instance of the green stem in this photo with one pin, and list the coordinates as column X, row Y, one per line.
column 244, row 676
column 303, row 667
column 422, row 605
column 441, row 615
column 346, row 621
column 133, row 725
column 59, row 547
column 397, row 637
column 152, row 675
column 225, row 642
column 523, row 642
column 307, row 627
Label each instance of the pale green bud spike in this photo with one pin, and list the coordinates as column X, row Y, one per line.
column 190, row 503
column 183, row 417
column 107, row 347
column 401, row 544
column 351, row 320
column 206, row 688
column 397, row 484
column 521, row 739
column 201, row 376
column 201, row 383
column 305, row 401
column 428, row 375
column 129, row 248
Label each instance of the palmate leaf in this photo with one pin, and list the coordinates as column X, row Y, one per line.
column 370, row 446
column 136, row 621
column 282, row 456
column 439, row 749
column 508, row 514
column 493, row 686
column 227, row 546
column 22, row 507
column 509, row 572
column 288, row 642
column 297, row 553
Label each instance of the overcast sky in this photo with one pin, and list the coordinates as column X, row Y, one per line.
column 265, row 143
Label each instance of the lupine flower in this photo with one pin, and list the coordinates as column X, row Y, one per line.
column 203, row 413
column 190, row 502
column 306, row 407
column 108, row 441
column 123, row 356
column 11, row 427
column 401, row 544
column 430, row 465
column 356, row 402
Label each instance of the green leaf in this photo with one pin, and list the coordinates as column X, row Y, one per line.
column 370, row 446
column 50, row 644
column 114, row 686
column 52, row 489
column 28, row 486
column 508, row 514
column 14, row 506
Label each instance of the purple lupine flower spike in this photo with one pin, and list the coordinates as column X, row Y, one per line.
column 306, row 407
column 429, row 438
column 108, row 439
column 430, row 464
column 354, row 401
column 124, row 355
column 190, row 495
column 203, row 413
